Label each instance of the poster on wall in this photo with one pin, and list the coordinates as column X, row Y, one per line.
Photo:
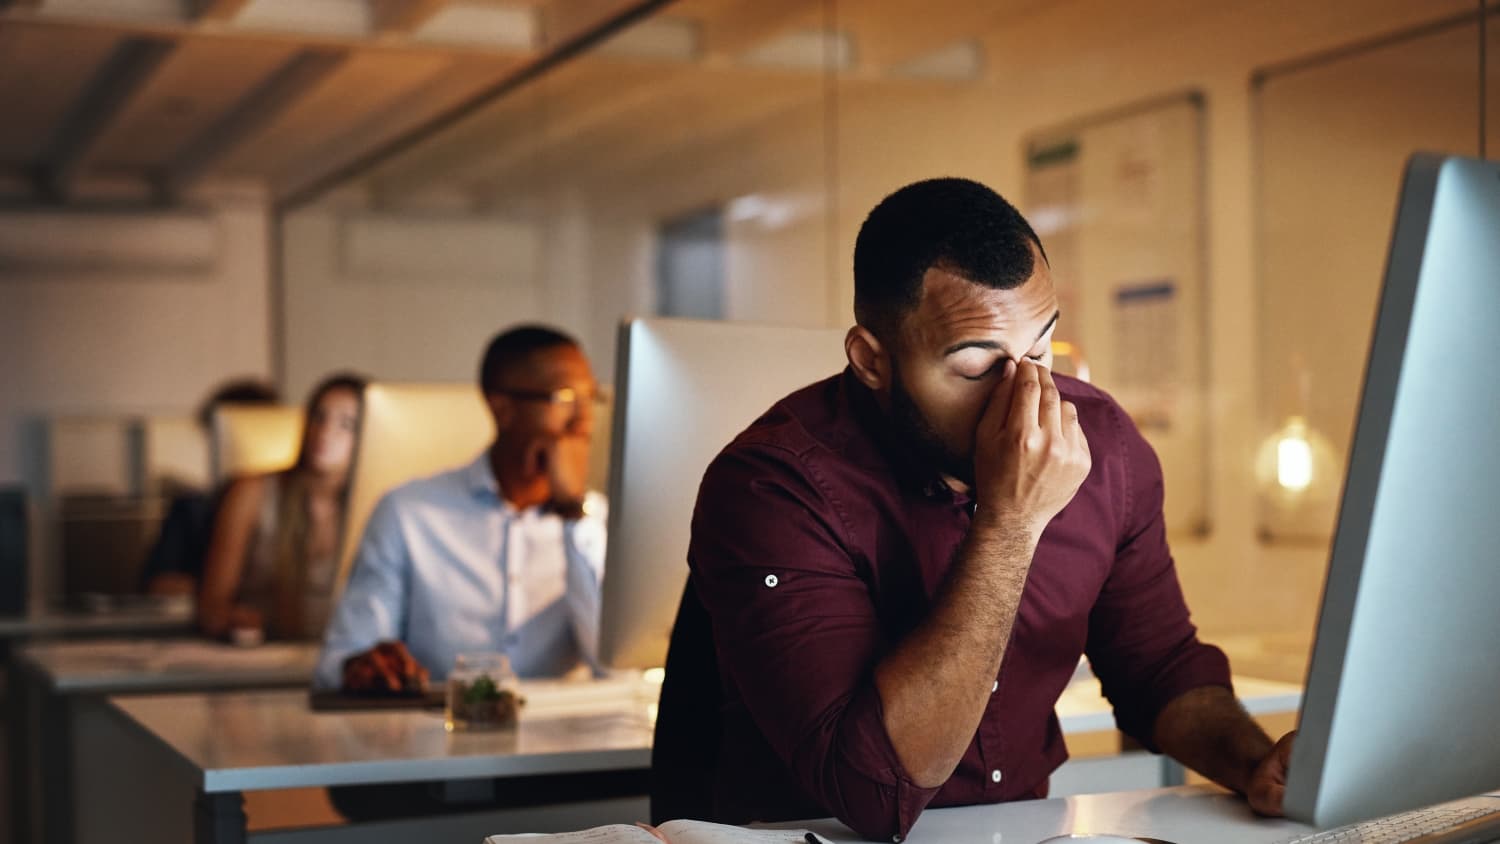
column 1118, row 202
column 1143, row 354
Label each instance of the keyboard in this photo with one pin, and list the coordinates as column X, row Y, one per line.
column 1475, row 820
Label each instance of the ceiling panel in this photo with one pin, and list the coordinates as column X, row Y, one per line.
column 202, row 80
column 368, row 81
column 716, row 104
column 43, row 70
column 461, row 82
column 580, row 94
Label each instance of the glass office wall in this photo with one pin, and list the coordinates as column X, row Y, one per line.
column 1333, row 134
column 1214, row 182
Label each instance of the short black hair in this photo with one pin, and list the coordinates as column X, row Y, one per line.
column 513, row 348
column 249, row 390
column 958, row 225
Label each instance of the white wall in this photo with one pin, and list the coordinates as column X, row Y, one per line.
column 108, row 340
column 405, row 296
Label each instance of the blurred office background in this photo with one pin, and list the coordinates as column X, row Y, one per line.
column 193, row 190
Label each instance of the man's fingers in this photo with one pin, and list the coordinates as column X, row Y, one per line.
column 411, row 670
column 1072, row 429
column 1026, row 399
column 1049, row 403
column 1068, row 411
column 387, row 670
column 405, row 659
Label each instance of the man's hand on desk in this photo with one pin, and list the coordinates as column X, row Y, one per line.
column 1267, row 784
column 1209, row 731
column 387, row 668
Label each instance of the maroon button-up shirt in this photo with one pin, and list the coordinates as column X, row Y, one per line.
column 817, row 545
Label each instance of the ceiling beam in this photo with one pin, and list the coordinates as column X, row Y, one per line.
column 564, row 22
column 402, row 16
column 267, row 101
column 215, row 10
column 114, row 84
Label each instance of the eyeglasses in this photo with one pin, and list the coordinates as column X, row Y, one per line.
column 562, row 399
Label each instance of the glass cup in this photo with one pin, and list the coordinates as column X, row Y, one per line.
column 483, row 693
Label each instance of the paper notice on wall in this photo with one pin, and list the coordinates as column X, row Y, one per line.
column 1145, row 364
column 1053, row 184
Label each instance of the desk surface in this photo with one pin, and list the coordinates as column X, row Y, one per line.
column 1082, row 708
column 252, row 741
column 116, row 622
column 1182, row 815
column 259, row 740
column 115, row 666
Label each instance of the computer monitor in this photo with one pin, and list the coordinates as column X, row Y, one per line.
column 252, row 439
column 408, row 431
column 1402, row 705
column 683, row 390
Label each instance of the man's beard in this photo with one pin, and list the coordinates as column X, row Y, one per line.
column 913, row 429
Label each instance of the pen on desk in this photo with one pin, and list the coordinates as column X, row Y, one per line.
column 812, row 839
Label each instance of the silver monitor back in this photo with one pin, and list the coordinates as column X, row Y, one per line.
column 683, row 390
column 1402, row 707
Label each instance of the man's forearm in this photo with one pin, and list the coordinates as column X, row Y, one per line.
column 1209, row 731
column 935, row 685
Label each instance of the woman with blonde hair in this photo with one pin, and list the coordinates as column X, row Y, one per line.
column 273, row 553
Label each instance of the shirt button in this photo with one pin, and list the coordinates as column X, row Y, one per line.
column 995, row 687
column 995, row 775
column 771, row 581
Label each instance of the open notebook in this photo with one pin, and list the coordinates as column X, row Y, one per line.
column 671, row 832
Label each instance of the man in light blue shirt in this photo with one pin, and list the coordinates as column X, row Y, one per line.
column 503, row 555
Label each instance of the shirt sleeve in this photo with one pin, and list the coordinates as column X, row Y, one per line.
column 797, row 634
column 372, row 608
column 583, row 546
column 1141, row 642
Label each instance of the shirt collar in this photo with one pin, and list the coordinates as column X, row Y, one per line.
column 480, row 478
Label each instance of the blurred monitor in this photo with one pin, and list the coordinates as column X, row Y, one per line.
column 1403, row 691
column 683, row 390
column 409, row 431
column 253, row 439
column 14, row 554
column 174, row 456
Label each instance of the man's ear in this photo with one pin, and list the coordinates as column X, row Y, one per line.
column 502, row 410
column 868, row 357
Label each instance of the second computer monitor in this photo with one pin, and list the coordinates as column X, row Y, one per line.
column 1402, row 707
column 683, row 390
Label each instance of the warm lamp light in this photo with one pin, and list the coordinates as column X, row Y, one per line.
column 1294, row 456
column 1067, row 358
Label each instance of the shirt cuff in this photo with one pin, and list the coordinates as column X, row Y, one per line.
column 894, row 802
column 1199, row 665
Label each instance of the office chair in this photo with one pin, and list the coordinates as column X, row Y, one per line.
column 689, row 725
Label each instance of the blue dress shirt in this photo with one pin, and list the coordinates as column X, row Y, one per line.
column 448, row 566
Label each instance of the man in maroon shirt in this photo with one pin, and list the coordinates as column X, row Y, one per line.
column 902, row 564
